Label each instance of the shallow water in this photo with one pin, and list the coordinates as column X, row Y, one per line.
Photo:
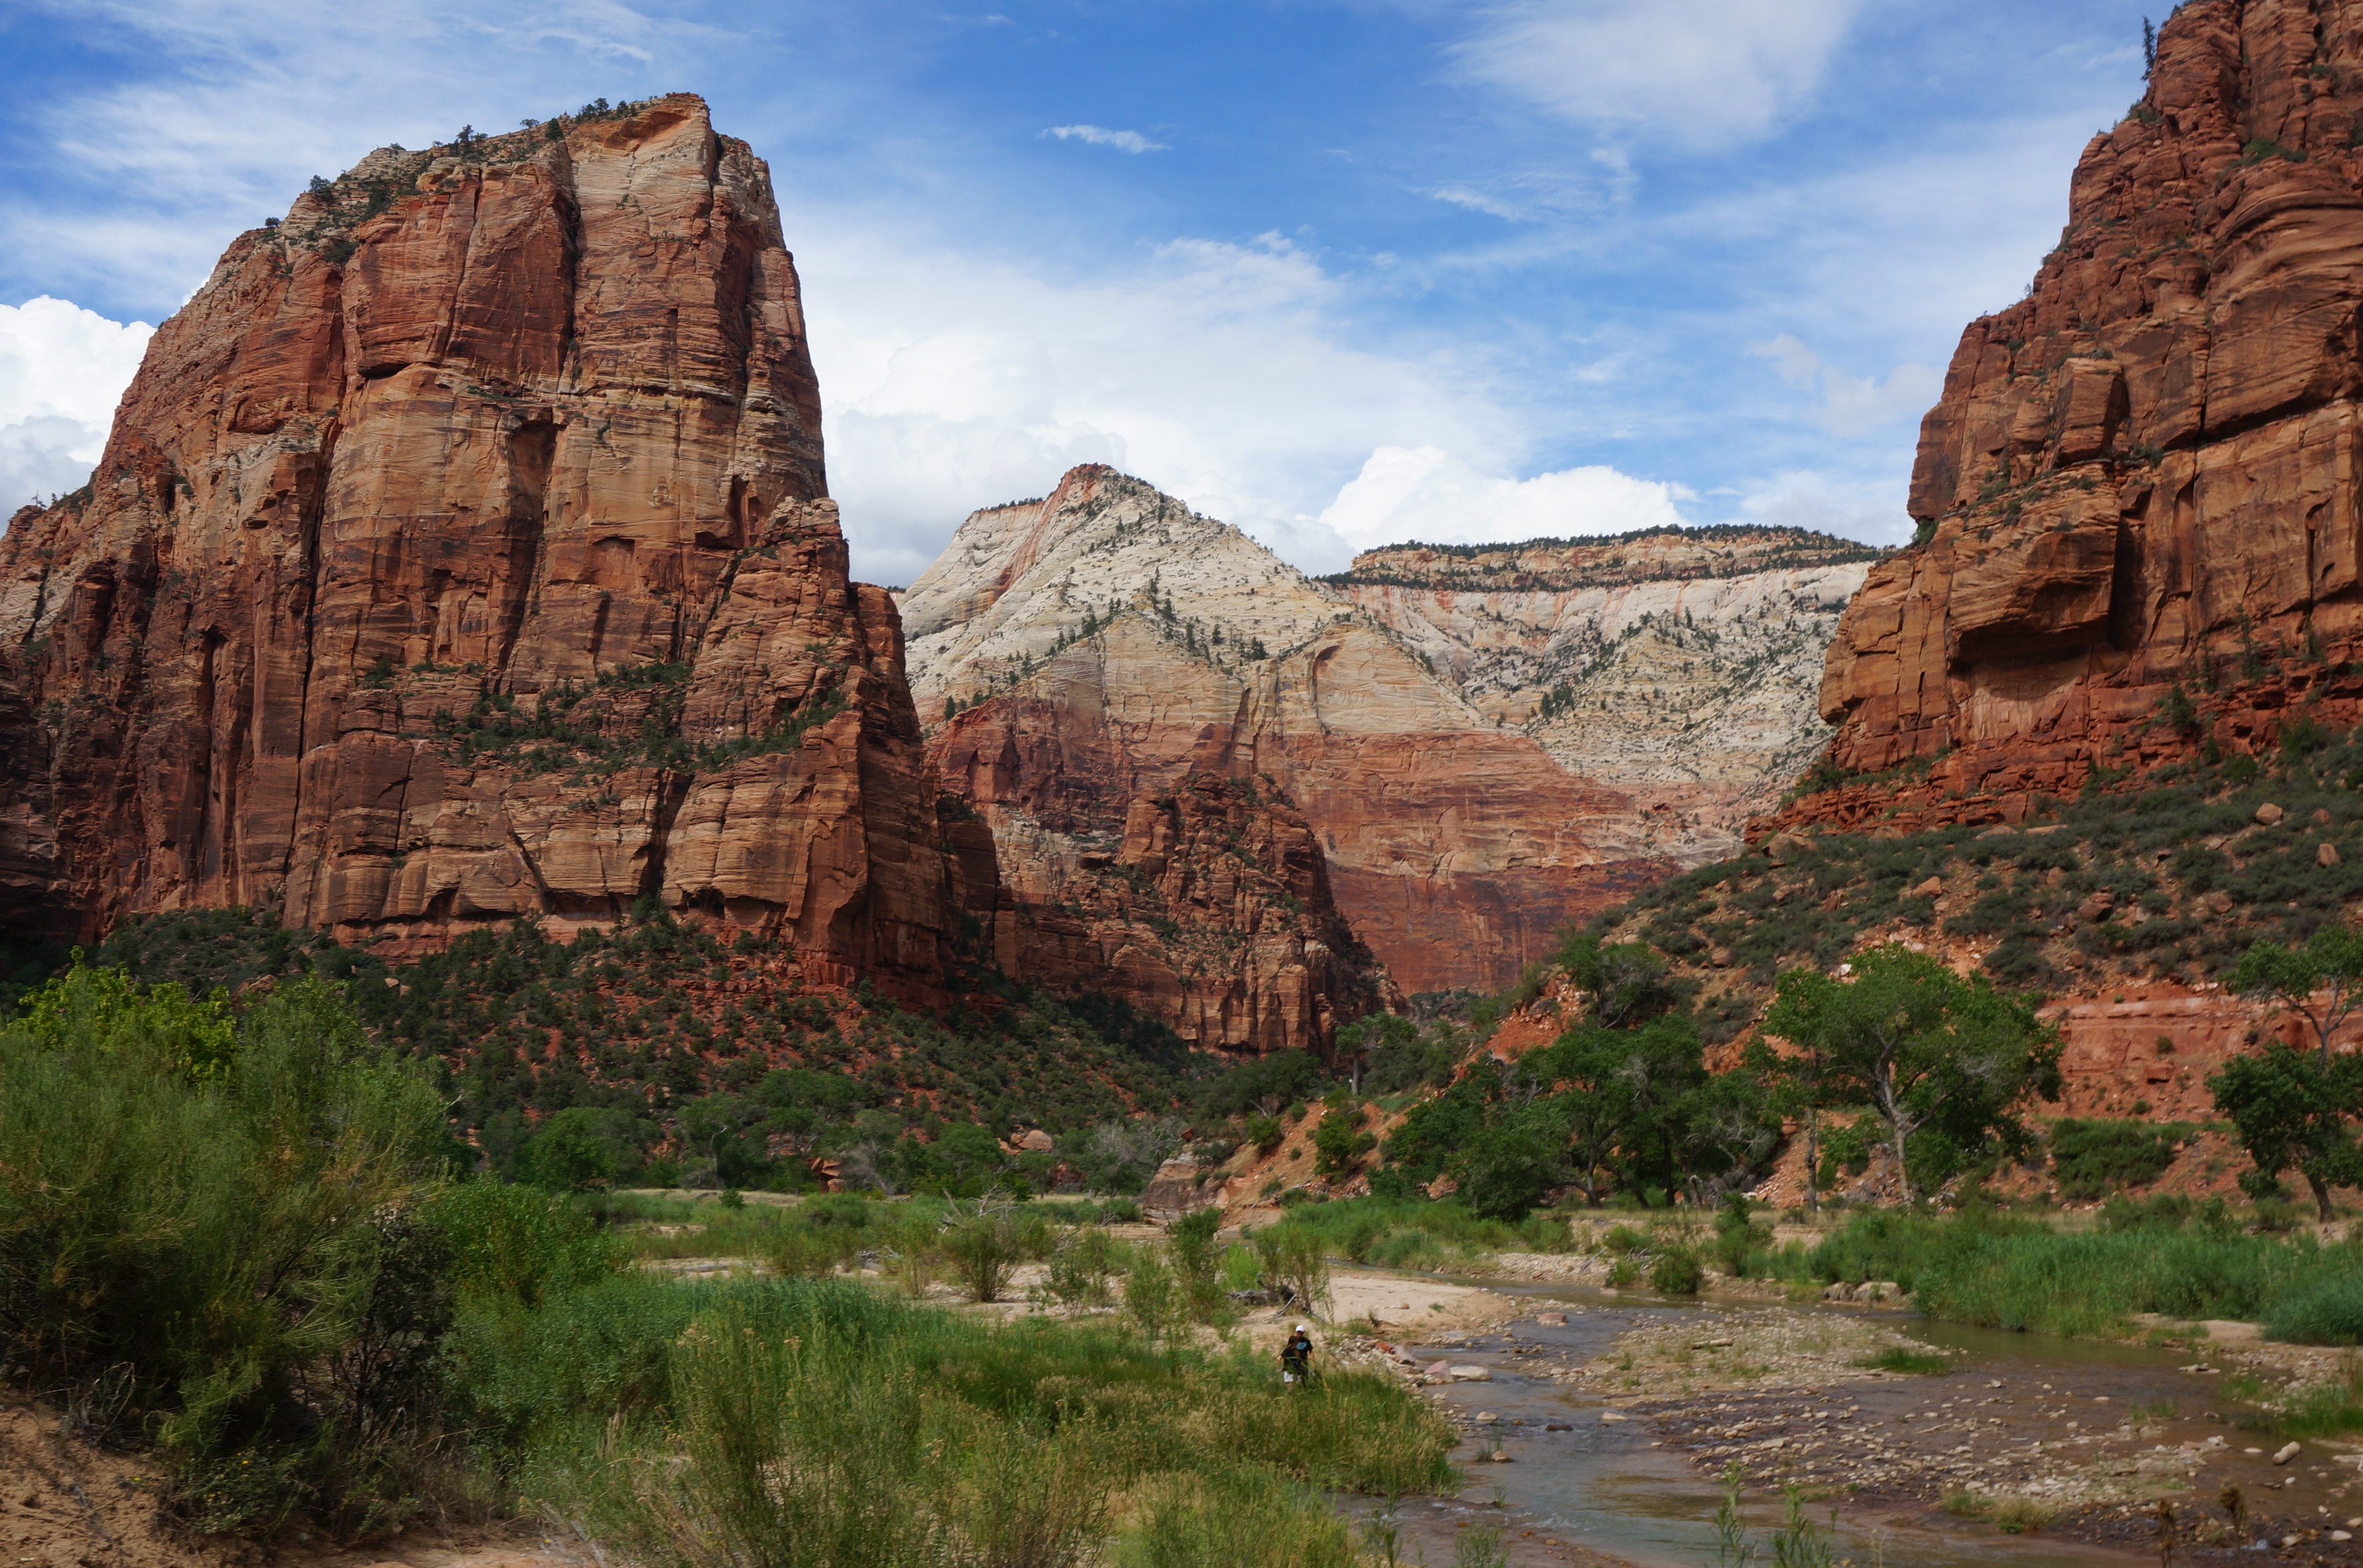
column 1606, row 1486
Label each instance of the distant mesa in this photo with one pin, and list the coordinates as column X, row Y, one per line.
column 1461, row 741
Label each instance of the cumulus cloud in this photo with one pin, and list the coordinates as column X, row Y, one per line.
column 62, row 369
column 1100, row 136
column 1699, row 73
column 1851, row 405
column 1431, row 495
column 1852, row 506
column 1233, row 376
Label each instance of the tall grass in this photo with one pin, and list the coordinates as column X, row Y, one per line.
column 1409, row 1234
column 1999, row 1271
column 810, row 1422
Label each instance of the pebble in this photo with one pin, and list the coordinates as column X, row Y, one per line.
column 2288, row 1452
column 1470, row 1373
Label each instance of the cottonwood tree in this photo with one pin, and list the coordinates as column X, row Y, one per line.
column 1625, row 1093
column 2320, row 982
column 2294, row 1109
column 1920, row 1046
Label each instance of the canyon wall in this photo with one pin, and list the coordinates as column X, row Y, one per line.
column 460, row 553
column 1077, row 654
column 1678, row 667
column 2144, row 475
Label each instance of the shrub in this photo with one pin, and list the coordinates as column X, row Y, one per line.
column 1340, row 1143
column 2091, row 1158
column 1152, row 1298
column 1079, row 1267
column 211, row 1220
column 1294, row 1265
column 985, row 1249
column 1677, row 1271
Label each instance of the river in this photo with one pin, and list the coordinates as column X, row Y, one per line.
column 2012, row 1412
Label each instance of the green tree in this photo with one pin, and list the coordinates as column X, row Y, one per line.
column 1920, row 1046
column 1340, row 1143
column 2320, row 982
column 1620, row 1095
column 582, row 1148
column 2294, row 1109
column 1628, row 981
column 724, row 1132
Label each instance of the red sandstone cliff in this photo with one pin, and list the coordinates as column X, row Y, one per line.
column 460, row 553
column 2148, row 470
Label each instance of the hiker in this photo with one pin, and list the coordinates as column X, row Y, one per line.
column 1297, row 1356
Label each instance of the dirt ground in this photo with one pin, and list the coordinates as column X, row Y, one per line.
column 65, row 1503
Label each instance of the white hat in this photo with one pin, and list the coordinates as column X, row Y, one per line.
column 1303, row 1329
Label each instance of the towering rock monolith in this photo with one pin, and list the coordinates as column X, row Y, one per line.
column 462, row 552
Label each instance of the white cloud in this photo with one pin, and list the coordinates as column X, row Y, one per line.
column 1700, row 74
column 1477, row 201
column 1851, row 405
column 1100, row 136
column 1431, row 495
column 1233, row 376
column 62, row 369
column 1853, row 507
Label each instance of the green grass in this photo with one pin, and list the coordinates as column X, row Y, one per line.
column 819, row 1422
column 2001, row 1270
column 2327, row 1311
column 1903, row 1358
column 1417, row 1235
column 2327, row 1409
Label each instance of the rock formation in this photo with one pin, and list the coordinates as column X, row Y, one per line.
column 2145, row 474
column 1676, row 666
column 1105, row 644
column 460, row 553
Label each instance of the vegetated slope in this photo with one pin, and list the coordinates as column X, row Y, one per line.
column 2137, row 475
column 2126, row 906
column 1680, row 664
column 1077, row 653
column 460, row 552
column 665, row 1053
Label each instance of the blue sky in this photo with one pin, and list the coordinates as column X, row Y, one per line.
column 1343, row 273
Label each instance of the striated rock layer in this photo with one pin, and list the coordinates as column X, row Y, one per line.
column 458, row 553
column 2147, row 471
column 1678, row 666
column 1105, row 644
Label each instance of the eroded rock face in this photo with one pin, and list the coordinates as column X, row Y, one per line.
column 1678, row 666
column 2146, row 471
column 460, row 553
column 1106, row 642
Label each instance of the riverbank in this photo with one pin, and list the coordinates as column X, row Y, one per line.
column 1946, row 1436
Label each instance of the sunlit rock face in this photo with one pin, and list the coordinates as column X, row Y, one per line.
column 462, row 552
column 1077, row 653
column 2146, row 471
column 1678, row 667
